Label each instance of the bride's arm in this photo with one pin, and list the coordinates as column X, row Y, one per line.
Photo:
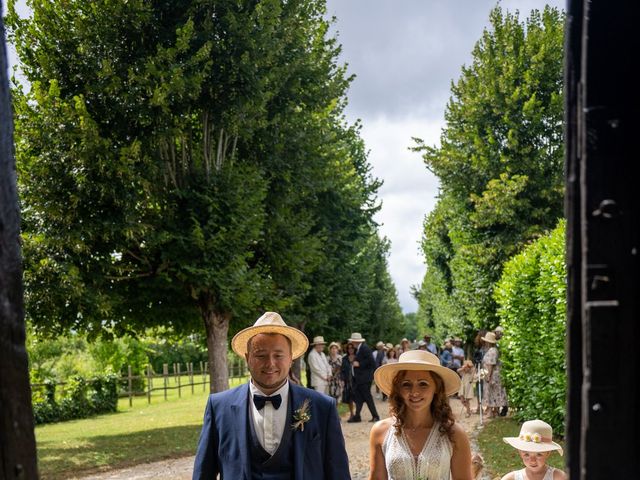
column 377, row 467
column 461, row 458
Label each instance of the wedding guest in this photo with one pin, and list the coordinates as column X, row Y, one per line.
column 390, row 357
column 495, row 396
column 263, row 429
column 458, row 353
column 378, row 358
column 392, row 354
column 319, row 366
column 431, row 347
column 468, row 379
column 335, row 362
column 535, row 444
column 421, row 438
column 363, row 368
column 405, row 345
column 446, row 355
column 346, row 375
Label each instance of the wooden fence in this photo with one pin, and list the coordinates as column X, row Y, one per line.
column 170, row 379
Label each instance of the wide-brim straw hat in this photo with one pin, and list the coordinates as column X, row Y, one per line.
column 356, row 337
column 319, row 340
column 490, row 337
column 535, row 436
column 416, row 360
column 334, row 344
column 271, row 322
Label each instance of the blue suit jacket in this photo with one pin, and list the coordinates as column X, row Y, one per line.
column 319, row 452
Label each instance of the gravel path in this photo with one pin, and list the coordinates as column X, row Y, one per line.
column 356, row 437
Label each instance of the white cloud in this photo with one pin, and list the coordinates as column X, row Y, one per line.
column 408, row 192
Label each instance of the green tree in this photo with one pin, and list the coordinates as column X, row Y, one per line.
column 177, row 161
column 499, row 164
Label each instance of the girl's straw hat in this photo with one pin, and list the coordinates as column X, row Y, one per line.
column 334, row 344
column 271, row 322
column 416, row 360
column 535, row 436
column 490, row 337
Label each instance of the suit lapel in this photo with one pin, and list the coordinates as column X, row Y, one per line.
column 240, row 413
column 299, row 437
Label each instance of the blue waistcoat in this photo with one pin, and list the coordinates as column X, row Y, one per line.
column 278, row 466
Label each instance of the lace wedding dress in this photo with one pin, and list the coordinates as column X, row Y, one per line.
column 433, row 462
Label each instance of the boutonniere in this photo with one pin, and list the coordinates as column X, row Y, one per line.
column 301, row 416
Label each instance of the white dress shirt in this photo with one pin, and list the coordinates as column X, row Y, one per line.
column 269, row 423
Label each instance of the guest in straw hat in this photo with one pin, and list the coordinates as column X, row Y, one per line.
column 494, row 393
column 319, row 366
column 535, row 444
column 421, row 438
column 265, row 428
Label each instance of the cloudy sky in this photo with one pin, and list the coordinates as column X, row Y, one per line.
column 405, row 53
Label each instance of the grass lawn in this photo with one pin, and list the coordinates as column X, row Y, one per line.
column 138, row 434
column 499, row 457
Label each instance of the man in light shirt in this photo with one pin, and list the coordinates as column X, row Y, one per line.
column 319, row 366
column 269, row 427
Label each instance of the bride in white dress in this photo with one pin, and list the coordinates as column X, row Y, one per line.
column 420, row 440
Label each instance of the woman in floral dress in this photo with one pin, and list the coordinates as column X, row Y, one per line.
column 494, row 392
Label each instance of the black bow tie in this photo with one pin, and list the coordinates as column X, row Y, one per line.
column 259, row 401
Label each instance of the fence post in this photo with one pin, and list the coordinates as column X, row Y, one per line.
column 179, row 392
column 130, row 392
column 175, row 374
column 191, row 376
column 165, row 375
column 149, row 384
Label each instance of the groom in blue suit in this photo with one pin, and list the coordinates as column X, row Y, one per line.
column 270, row 428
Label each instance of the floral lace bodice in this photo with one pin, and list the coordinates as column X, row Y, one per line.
column 433, row 462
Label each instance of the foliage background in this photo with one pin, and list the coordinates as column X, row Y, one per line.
column 531, row 298
column 499, row 163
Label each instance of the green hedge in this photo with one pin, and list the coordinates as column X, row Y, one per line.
column 532, row 309
column 82, row 398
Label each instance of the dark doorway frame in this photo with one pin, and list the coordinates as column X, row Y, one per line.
column 603, row 214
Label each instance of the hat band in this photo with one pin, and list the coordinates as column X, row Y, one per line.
column 534, row 437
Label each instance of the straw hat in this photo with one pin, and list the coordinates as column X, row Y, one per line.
column 334, row 344
column 319, row 340
column 356, row 338
column 490, row 337
column 380, row 344
column 389, row 346
column 535, row 436
column 271, row 322
column 416, row 360
column 498, row 329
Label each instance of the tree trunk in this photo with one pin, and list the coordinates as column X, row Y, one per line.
column 17, row 440
column 217, row 328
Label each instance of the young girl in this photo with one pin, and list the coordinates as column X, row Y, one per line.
column 467, row 374
column 535, row 444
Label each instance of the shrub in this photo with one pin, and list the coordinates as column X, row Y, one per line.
column 82, row 398
column 532, row 309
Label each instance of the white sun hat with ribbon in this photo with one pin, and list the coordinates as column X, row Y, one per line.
column 535, row 436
